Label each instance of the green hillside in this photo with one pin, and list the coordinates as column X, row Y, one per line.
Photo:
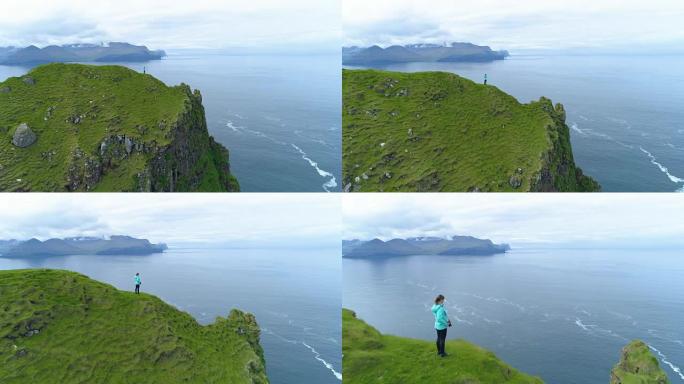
column 637, row 366
column 62, row 327
column 371, row 357
column 105, row 128
column 436, row 131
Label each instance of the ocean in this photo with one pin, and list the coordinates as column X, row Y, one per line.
column 278, row 115
column 295, row 295
column 625, row 112
column 561, row 314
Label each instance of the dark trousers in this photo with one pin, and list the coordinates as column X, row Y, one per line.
column 441, row 340
column 137, row 288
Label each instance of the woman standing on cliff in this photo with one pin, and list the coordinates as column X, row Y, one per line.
column 138, row 281
column 442, row 322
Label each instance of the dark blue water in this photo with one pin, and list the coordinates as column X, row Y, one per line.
column 561, row 314
column 278, row 115
column 625, row 112
column 295, row 295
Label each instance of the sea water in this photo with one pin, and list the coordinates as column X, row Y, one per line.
column 560, row 314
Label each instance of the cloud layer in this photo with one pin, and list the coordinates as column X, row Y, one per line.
column 524, row 24
column 567, row 219
column 163, row 24
column 287, row 220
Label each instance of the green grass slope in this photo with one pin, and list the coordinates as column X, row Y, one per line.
column 62, row 327
column 436, row 131
column 370, row 357
column 637, row 366
column 107, row 128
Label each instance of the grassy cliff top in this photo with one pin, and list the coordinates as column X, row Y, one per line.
column 62, row 327
column 436, row 131
column 371, row 357
column 638, row 366
column 107, row 119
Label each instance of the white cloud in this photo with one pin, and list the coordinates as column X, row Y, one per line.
column 163, row 24
column 504, row 24
column 238, row 220
column 634, row 219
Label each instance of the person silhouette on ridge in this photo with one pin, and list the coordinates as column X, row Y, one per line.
column 138, row 281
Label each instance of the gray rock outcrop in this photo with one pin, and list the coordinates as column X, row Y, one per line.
column 23, row 136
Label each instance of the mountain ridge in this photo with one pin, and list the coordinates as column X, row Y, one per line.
column 110, row 52
column 454, row 52
column 413, row 246
column 115, row 245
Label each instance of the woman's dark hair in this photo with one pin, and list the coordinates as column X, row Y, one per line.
column 439, row 298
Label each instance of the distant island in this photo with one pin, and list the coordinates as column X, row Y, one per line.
column 454, row 246
column 106, row 128
column 115, row 245
column 454, row 52
column 63, row 327
column 105, row 52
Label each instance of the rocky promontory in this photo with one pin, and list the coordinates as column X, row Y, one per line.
column 637, row 365
column 62, row 327
column 439, row 132
column 73, row 127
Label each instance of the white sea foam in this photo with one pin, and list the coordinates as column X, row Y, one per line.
column 234, row 127
column 490, row 321
column 586, row 327
column 459, row 320
column 590, row 132
column 659, row 336
column 332, row 183
column 595, row 330
column 618, row 121
column 318, row 357
column 577, row 129
column 664, row 359
column 662, row 168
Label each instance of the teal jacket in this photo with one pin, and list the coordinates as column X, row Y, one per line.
column 137, row 280
column 441, row 318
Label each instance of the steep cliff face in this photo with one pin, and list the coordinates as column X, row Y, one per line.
column 637, row 365
column 62, row 327
column 435, row 131
column 193, row 161
column 106, row 128
column 558, row 171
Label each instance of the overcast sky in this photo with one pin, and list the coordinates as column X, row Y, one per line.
column 521, row 24
column 167, row 24
column 291, row 220
column 649, row 220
